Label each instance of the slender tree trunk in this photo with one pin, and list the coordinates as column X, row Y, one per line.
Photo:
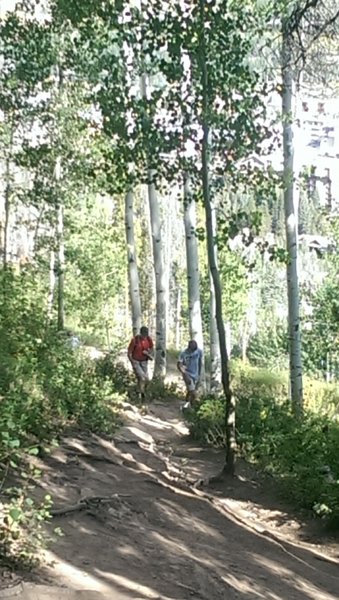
column 228, row 329
column 7, row 213
column 52, row 281
column 133, row 274
column 168, row 266
column 291, row 227
column 59, row 78
column 244, row 338
column 178, row 320
column 8, row 192
column 192, row 259
column 215, row 376
column 160, row 281
column 36, row 229
column 61, row 268
column 193, row 274
column 211, row 250
column 158, row 265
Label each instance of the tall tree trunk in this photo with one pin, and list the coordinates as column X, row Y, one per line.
column 291, row 226
column 133, row 274
column 244, row 338
column 158, row 265
column 178, row 319
column 168, row 233
column 7, row 212
column 212, row 260
column 228, row 329
column 215, row 371
column 160, row 281
column 61, row 268
column 8, row 192
column 36, row 229
column 52, row 281
column 193, row 274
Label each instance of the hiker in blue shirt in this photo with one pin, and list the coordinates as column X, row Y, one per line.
column 189, row 365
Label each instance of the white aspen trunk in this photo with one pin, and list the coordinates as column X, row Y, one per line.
column 127, row 328
column 7, row 213
column 193, row 274
column 52, row 282
column 160, row 281
column 61, row 268
column 36, row 230
column 296, row 382
column 132, row 266
column 60, row 216
column 178, row 320
column 244, row 339
column 168, row 268
column 8, row 192
column 215, row 376
column 192, row 261
column 159, row 268
column 328, row 371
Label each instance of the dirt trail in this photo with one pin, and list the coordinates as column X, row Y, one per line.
column 137, row 529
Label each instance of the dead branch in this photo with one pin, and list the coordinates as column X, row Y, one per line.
column 86, row 503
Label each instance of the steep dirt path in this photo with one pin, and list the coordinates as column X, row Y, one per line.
column 141, row 530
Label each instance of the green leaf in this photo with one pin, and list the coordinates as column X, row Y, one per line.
column 14, row 444
column 33, row 451
column 15, row 514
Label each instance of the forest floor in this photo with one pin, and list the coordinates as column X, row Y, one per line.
column 136, row 526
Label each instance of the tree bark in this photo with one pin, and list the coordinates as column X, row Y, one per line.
column 61, row 268
column 212, row 259
column 160, row 281
column 215, row 371
column 291, row 226
column 8, row 192
column 168, row 254
column 178, row 320
column 52, row 281
column 7, row 213
column 133, row 274
column 193, row 274
column 158, row 265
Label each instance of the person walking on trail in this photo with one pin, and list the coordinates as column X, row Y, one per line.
column 189, row 365
column 140, row 351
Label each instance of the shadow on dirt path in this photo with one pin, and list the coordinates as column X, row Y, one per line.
column 136, row 528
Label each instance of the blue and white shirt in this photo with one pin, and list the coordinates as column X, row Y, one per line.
column 191, row 361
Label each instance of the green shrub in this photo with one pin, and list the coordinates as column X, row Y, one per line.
column 303, row 457
column 269, row 348
column 44, row 385
column 22, row 533
column 207, row 422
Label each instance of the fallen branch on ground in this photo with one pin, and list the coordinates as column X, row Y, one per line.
column 86, row 503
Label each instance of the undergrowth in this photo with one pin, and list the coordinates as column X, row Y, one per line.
column 44, row 387
column 303, row 457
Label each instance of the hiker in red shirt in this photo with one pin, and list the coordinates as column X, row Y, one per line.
column 140, row 351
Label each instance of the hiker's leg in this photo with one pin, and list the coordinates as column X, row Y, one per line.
column 194, row 397
column 138, row 371
column 190, row 388
column 145, row 378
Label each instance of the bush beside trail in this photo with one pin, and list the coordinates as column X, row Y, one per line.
column 303, row 457
column 45, row 386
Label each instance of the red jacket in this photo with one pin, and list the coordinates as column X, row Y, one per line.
column 137, row 345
